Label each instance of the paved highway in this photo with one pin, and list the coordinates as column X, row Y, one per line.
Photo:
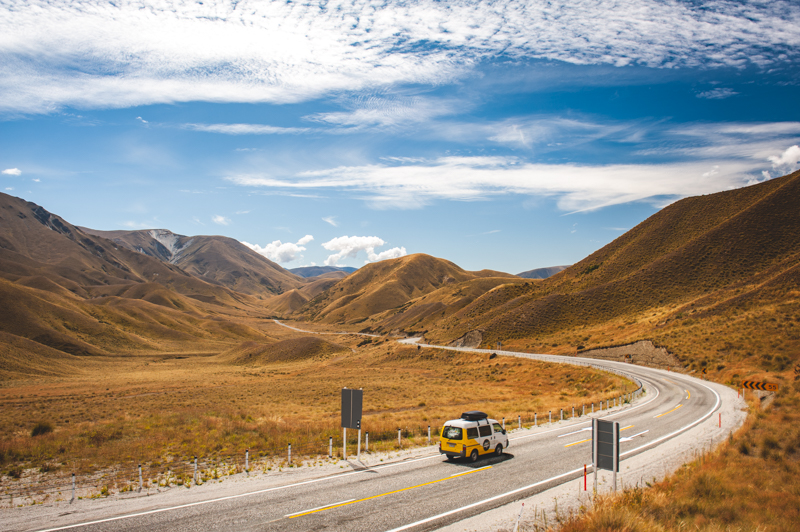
column 428, row 492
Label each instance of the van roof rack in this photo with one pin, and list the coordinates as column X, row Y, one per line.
column 474, row 415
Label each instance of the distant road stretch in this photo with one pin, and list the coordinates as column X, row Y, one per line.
column 428, row 492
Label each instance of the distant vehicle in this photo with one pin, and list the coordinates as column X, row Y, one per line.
column 472, row 436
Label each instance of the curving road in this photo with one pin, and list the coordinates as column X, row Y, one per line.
column 428, row 492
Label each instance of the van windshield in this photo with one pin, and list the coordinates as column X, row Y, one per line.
column 452, row 433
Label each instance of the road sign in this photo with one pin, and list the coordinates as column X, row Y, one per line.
column 352, row 401
column 605, row 448
column 764, row 386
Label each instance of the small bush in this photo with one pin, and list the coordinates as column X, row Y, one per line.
column 42, row 427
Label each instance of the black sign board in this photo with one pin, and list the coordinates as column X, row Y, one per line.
column 605, row 445
column 352, row 400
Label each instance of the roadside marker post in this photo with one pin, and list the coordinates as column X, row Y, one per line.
column 605, row 449
column 584, row 477
column 247, row 462
column 516, row 526
column 573, row 411
column 195, row 469
column 352, row 401
column 535, row 422
column 290, row 453
column 399, row 441
column 550, row 413
column 358, row 451
column 429, row 434
column 330, row 446
column 73, row 489
column 504, row 423
column 720, row 420
column 140, row 478
column 366, row 443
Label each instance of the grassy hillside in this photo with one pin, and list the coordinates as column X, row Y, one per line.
column 385, row 285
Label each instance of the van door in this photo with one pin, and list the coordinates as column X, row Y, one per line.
column 485, row 437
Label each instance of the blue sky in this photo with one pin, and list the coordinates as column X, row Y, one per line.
column 501, row 135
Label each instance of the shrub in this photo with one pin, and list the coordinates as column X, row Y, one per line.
column 42, row 427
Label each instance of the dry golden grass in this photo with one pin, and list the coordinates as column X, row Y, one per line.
column 157, row 408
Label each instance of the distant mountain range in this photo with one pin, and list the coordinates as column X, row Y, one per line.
column 542, row 273
column 316, row 271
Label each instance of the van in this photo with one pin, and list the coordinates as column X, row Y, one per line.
column 472, row 436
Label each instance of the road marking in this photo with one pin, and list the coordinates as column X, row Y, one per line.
column 577, row 442
column 665, row 413
column 576, row 432
column 634, row 436
column 347, row 503
column 626, row 428
column 688, row 395
column 302, row 512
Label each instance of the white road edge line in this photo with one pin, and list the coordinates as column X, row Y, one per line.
column 473, row 471
column 318, row 508
column 576, row 432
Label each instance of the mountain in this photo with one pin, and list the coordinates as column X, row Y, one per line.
column 709, row 251
column 542, row 273
column 380, row 286
column 83, row 295
column 316, row 271
column 216, row 259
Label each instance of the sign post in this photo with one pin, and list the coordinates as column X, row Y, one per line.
column 352, row 401
column 605, row 448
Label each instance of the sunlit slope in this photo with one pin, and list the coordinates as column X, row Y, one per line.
column 385, row 285
column 746, row 240
column 290, row 350
column 216, row 259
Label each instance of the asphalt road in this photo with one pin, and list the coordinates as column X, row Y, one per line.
column 429, row 492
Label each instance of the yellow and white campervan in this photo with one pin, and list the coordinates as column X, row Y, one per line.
column 472, row 436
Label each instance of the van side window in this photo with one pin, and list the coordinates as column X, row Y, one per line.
column 499, row 428
column 472, row 433
column 486, row 430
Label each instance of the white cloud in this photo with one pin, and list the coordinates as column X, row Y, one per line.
column 577, row 187
column 9, row 189
column 787, row 161
column 142, row 120
column 717, row 94
column 282, row 252
column 331, row 220
column 245, row 129
column 350, row 246
column 91, row 53
column 220, row 220
column 12, row 171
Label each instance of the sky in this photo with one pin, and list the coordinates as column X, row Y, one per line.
column 495, row 134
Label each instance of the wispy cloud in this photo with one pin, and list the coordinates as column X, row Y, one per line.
column 331, row 220
column 717, row 94
column 220, row 220
column 89, row 53
column 245, row 129
column 12, row 171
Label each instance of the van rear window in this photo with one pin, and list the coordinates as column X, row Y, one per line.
column 452, row 433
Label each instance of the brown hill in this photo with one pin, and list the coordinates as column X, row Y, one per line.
column 385, row 285
column 293, row 300
column 730, row 244
column 293, row 349
column 216, row 259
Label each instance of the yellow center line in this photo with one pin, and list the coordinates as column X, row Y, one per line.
column 626, row 428
column 665, row 413
column 387, row 493
column 688, row 395
column 577, row 442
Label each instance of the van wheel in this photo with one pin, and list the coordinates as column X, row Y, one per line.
column 499, row 449
column 473, row 456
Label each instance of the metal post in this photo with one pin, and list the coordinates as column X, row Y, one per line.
column 73, row 489
column 616, row 455
column 140, row 478
column 519, row 420
column 550, row 414
column 358, row 452
column 290, row 453
column 429, row 434
column 330, row 446
column 247, row 461
column 195, row 469
column 561, row 414
column 399, row 442
column 595, row 451
column 366, row 443
column 344, row 443
column 504, row 423
column 573, row 411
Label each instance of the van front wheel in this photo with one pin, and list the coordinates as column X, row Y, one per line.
column 473, row 456
column 499, row 449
